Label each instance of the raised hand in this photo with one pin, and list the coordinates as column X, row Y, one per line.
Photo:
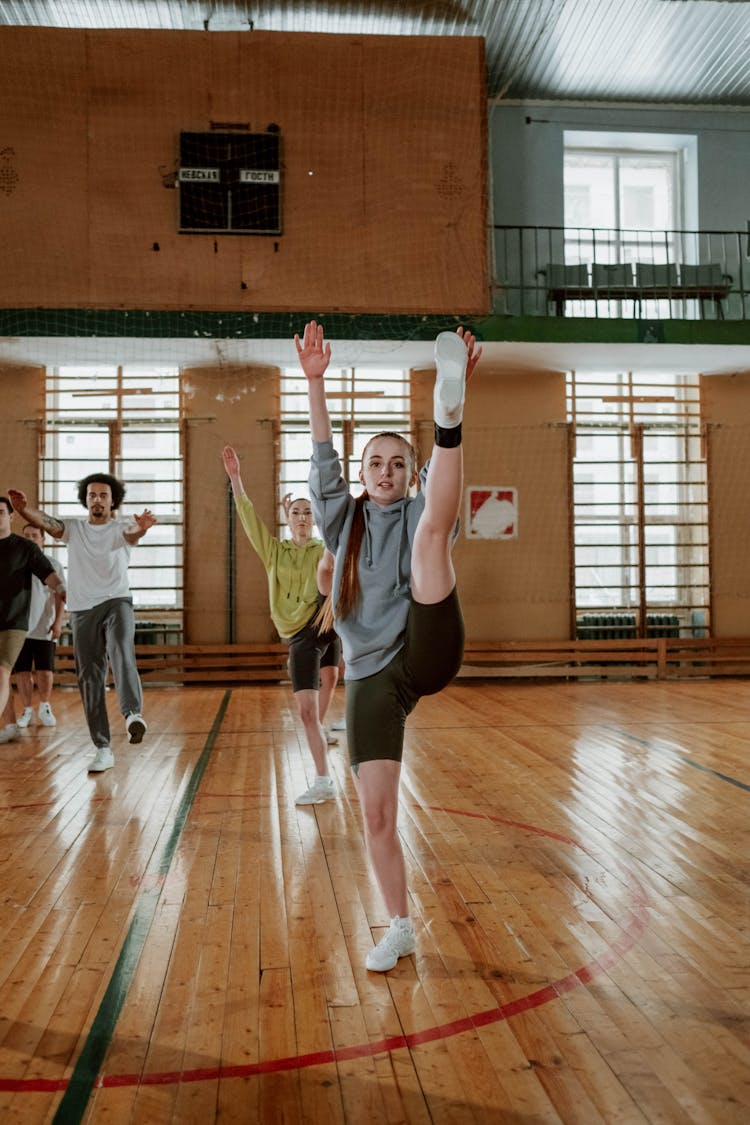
column 231, row 461
column 17, row 499
column 314, row 355
column 473, row 355
column 286, row 503
column 145, row 520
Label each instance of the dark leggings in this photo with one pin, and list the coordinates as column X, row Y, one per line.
column 309, row 651
column 377, row 706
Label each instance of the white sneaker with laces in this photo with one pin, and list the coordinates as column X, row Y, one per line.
column 8, row 732
column 450, row 386
column 104, row 760
column 398, row 941
column 136, row 727
column 321, row 790
column 46, row 718
column 24, row 719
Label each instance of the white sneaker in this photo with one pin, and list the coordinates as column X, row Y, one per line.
column 321, row 790
column 46, row 718
column 448, row 400
column 331, row 737
column 9, row 732
column 24, row 719
column 397, row 942
column 136, row 727
column 104, row 760
column 339, row 724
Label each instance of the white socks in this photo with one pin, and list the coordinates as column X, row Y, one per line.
column 450, row 384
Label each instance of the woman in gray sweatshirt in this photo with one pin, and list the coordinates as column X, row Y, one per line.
column 394, row 596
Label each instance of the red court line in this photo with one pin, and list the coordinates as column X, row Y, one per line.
column 47, row 804
column 635, row 926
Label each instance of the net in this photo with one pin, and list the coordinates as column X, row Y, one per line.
column 175, row 206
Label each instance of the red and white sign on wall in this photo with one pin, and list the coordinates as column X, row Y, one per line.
column 491, row 513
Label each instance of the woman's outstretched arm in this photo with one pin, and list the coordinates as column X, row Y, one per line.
column 314, row 357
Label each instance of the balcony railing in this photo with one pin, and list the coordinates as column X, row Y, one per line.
column 635, row 274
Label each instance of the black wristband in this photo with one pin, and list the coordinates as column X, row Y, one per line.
column 448, row 438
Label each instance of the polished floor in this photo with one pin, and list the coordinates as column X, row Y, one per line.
column 181, row 943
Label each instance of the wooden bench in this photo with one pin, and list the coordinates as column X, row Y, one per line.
column 639, row 293
column 204, row 663
column 651, row 658
column 651, row 281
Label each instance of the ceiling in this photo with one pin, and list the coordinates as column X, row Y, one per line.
column 690, row 51
column 693, row 52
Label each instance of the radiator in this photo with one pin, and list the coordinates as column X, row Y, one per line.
column 617, row 626
column 605, row 626
column 662, row 625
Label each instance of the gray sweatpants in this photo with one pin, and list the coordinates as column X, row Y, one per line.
column 102, row 635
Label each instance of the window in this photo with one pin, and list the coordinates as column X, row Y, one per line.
column 625, row 208
column 640, row 496
column 124, row 421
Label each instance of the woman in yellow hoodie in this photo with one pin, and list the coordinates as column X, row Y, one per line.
column 299, row 572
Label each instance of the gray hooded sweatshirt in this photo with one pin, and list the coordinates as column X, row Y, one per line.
column 374, row 632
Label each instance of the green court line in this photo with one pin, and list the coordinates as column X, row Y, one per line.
column 684, row 758
column 73, row 1104
column 715, row 773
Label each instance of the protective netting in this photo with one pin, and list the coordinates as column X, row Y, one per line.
column 173, row 207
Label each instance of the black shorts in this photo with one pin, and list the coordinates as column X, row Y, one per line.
column 309, row 651
column 36, row 654
column 378, row 705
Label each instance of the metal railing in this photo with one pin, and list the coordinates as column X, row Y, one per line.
column 608, row 272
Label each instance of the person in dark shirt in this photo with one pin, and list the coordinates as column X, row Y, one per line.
column 20, row 559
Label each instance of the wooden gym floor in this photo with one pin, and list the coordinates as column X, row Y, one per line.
column 180, row 943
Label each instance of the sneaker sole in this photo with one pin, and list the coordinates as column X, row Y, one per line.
column 100, row 769
column 450, row 357
column 303, row 799
column 387, row 968
column 136, row 732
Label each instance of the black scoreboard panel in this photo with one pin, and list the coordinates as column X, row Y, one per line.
column 229, row 183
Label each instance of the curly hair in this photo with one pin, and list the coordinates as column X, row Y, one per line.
column 117, row 488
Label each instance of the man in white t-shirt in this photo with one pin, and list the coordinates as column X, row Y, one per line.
column 46, row 615
column 100, row 603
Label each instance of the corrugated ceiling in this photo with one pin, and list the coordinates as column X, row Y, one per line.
column 691, row 51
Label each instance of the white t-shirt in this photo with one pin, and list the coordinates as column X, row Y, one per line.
column 98, row 556
column 42, row 606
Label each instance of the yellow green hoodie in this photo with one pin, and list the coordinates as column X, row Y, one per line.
column 292, row 571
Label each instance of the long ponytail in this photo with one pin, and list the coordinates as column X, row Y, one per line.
column 350, row 590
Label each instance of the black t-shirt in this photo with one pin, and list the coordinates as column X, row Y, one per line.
column 19, row 559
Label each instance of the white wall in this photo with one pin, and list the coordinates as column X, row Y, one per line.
column 526, row 146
